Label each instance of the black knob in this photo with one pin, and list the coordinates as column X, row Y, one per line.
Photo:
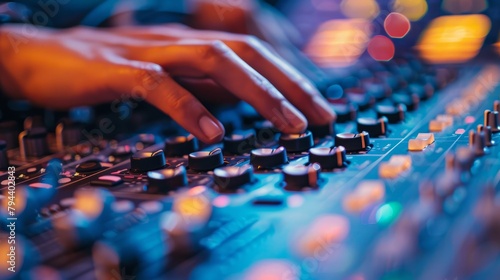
column 411, row 101
column 206, row 160
column 266, row 158
column 4, row 159
column 322, row 131
column 375, row 127
column 360, row 98
column 265, row 132
column 423, row 92
column 301, row 176
column 353, row 142
column 146, row 161
column 89, row 166
column 297, row 142
column 328, row 158
column 34, row 142
column 232, row 177
column 394, row 114
column 180, row 146
column 8, row 133
column 345, row 112
column 239, row 143
column 488, row 137
column 477, row 143
column 492, row 119
column 167, row 179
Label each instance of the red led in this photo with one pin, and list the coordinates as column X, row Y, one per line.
column 397, row 25
column 381, row 48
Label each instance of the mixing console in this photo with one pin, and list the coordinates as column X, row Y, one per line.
column 403, row 186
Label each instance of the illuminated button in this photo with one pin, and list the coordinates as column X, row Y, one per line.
column 421, row 142
column 64, row 180
column 366, row 194
column 327, row 229
column 440, row 123
column 107, row 181
column 40, row 186
column 394, row 167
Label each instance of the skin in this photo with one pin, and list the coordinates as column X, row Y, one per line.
column 60, row 69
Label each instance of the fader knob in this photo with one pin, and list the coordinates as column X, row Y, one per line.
column 4, row 160
column 300, row 176
column 486, row 130
column 492, row 119
column 146, row 161
column 477, row 143
column 353, row 142
column 239, row 143
column 394, row 114
column 267, row 158
column 297, row 142
column 33, row 142
column 232, row 177
column 375, row 127
column 180, row 146
column 328, row 158
column 167, row 179
column 206, row 160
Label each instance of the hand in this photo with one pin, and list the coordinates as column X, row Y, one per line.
column 85, row 66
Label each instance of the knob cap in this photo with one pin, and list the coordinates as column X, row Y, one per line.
column 300, row 176
column 34, row 142
column 8, row 133
column 329, row 158
column 266, row 158
column 180, row 145
column 206, row 160
column 4, row 159
column 146, row 161
column 353, row 142
column 345, row 112
column 322, row 131
column 89, row 166
column 375, row 127
column 492, row 119
column 297, row 142
column 167, row 179
column 477, row 143
column 232, row 177
column 394, row 114
column 239, row 144
column 486, row 130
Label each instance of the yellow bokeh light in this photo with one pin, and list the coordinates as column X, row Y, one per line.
column 454, row 39
column 412, row 9
column 366, row 9
column 339, row 43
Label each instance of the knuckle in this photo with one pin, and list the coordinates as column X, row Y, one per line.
column 214, row 49
column 248, row 46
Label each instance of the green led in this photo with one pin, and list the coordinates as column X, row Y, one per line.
column 388, row 213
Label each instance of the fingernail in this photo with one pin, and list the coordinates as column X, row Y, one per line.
column 323, row 109
column 210, row 128
column 294, row 118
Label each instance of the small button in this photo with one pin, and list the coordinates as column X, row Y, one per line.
column 394, row 167
column 107, row 181
column 421, row 142
column 40, row 185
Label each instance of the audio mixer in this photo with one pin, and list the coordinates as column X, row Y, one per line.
column 403, row 186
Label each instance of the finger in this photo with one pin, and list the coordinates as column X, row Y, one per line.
column 148, row 81
column 288, row 80
column 217, row 61
column 207, row 91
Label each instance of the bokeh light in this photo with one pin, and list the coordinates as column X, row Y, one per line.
column 412, row 9
column 366, row 9
column 397, row 25
column 454, row 39
column 339, row 43
column 381, row 48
